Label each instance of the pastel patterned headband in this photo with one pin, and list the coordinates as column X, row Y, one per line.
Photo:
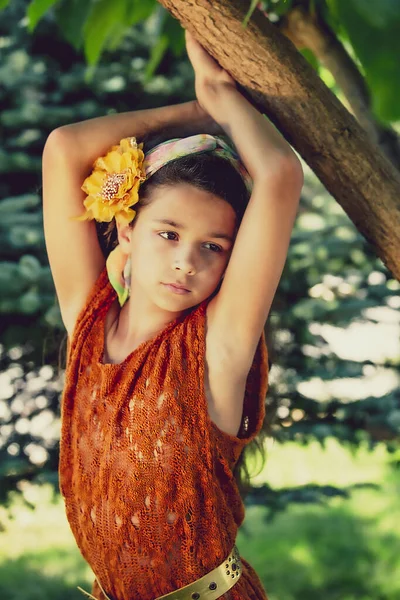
column 112, row 188
column 195, row 144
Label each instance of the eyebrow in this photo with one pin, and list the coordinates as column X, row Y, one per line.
column 223, row 236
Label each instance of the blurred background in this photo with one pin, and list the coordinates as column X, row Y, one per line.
column 323, row 518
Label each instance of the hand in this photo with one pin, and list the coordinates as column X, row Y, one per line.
column 208, row 74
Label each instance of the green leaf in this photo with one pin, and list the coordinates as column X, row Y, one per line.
column 4, row 3
column 36, row 10
column 100, row 26
column 378, row 50
column 175, row 34
column 90, row 72
column 310, row 57
column 140, row 10
column 156, row 56
column 330, row 14
column 253, row 6
column 282, row 7
column 116, row 36
column 71, row 16
column 378, row 14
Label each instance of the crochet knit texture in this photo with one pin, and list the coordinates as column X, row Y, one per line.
column 146, row 476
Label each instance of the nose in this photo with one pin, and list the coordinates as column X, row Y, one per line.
column 184, row 261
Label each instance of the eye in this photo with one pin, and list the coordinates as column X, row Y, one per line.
column 167, row 232
column 214, row 248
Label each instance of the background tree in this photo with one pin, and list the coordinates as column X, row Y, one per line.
column 81, row 61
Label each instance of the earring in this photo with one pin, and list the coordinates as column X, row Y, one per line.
column 127, row 273
column 119, row 273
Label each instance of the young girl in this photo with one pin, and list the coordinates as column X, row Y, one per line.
column 167, row 365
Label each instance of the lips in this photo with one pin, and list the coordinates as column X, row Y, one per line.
column 177, row 287
column 180, row 287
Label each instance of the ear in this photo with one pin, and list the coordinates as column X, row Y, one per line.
column 124, row 237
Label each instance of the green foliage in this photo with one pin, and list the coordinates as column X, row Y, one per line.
column 365, row 21
column 72, row 15
column 100, row 25
column 169, row 35
column 36, row 10
column 252, row 8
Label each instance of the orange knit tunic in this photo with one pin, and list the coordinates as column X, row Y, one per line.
column 145, row 474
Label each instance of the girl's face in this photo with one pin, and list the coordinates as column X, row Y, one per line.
column 191, row 247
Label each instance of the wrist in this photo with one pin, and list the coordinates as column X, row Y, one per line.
column 207, row 123
column 212, row 98
column 195, row 120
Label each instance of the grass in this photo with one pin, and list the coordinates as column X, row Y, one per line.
column 343, row 550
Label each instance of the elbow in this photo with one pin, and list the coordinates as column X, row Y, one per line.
column 55, row 156
column 57, row 142
column 295, row 172
column 290, row 166
column 58, row 152
column 280, row 164
column 286, row 175
column 291, row 180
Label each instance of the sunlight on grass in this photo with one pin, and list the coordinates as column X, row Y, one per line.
column 336, row 551
column 342, row 550
column 38, row 529
column 291, row 465
column 302, row 554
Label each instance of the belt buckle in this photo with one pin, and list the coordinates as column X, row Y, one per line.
column 212, row 585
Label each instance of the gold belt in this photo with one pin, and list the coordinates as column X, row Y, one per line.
column 209, row 587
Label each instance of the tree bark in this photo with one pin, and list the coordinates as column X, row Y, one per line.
column 280, row 82
column 307, row 30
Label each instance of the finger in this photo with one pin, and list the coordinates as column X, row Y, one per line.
column 198, row 54
column 190, row 37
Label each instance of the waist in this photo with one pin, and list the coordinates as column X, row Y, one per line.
column 210, row 586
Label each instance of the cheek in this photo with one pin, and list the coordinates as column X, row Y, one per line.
column 149, row 248
column 224, row 260
column 216, row 270
column 144, row 257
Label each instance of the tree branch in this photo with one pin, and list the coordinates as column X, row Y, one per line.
column 307, row 30
column 282, row 84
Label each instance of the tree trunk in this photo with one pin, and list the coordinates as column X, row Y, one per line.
column 307, row 30
column 279, row 81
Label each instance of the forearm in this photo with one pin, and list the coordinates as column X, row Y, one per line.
column 92, row 138
column 260, row 145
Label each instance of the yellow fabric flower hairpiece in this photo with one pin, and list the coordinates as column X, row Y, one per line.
column 113, row 185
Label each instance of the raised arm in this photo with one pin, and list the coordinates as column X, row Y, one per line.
column 238, row 312
column 75, row 256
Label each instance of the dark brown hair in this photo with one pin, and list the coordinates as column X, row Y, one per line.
column 204, row 171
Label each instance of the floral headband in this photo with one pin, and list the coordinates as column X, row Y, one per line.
column 113, row 186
